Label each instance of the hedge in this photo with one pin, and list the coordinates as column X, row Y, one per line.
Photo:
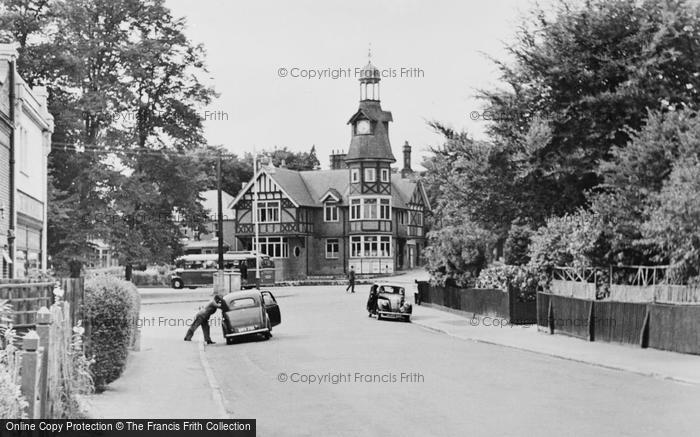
column 111, row 311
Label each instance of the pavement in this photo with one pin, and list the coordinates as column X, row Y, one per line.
column 475, row 372
column 166, row 378
column 467, row 326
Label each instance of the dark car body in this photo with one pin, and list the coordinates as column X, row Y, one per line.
column 248, row 313
column 391, row 303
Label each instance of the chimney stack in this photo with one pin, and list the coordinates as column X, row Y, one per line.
column 338, row 160
column 406, row 170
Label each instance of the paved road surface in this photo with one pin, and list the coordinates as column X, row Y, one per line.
column 452, row 387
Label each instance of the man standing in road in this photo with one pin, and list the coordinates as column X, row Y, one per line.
column 243, row 268
column 202, row 318
column 351, row 279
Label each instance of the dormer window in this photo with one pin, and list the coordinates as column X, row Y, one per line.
column 363, row 127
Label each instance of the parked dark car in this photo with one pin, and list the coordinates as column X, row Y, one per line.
column 250, row 313
column 391, row 303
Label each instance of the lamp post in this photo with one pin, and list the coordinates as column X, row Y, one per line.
column 219, row 214
column 256, row 221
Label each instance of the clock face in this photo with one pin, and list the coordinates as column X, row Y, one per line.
column 363, row 127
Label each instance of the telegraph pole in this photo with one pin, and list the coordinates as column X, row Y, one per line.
column 220, row 213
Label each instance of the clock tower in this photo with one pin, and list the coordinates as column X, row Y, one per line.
column 369, row 159
column 369, row 156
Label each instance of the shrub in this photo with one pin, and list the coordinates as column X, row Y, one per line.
column 456, row 254
column 522, row 279
column 111, row 311
column 12, row 403
column 517, row 244
column 117, row 272
column 152, row 276
column 575, row 240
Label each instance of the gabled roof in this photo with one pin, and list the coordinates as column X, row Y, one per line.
column 372, row 111
column 332, row 192
column 282, row 177
column 310, row 188
column 293, row 185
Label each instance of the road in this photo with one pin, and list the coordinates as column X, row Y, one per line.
column 330, row 370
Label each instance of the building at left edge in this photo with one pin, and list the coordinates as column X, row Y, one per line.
column 25, row 142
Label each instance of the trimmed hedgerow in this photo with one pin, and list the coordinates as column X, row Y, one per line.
column 111, row 310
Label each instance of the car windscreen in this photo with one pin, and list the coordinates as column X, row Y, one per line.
column 242, row 303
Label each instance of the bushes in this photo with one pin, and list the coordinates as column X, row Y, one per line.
column 111, row 310
column 457, row 254
column 152, row 276
column 517, row 244
column 573, row 240
column 522, row 279
column 12, row 403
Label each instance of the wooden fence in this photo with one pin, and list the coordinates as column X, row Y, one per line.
column 27, row 297
column 660, row 326
column 640, row 284
column 46, row 363
column 486, row 302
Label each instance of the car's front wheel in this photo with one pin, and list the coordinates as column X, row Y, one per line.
column 177, row 284
column 229, row 340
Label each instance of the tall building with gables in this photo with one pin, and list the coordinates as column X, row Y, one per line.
column 359, row 213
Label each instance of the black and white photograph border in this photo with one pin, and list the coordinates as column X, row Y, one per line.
column 380, row 218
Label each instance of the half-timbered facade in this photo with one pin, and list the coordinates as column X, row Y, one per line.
column 360, row 213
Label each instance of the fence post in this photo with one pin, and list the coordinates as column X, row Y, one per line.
column 43, row 330
column 591, row 322
column 31, row 373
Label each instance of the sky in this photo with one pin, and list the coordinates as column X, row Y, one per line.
column 434, row 55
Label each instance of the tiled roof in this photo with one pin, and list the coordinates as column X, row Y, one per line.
column 375, row 146
column 307, row 188
column 293, row 184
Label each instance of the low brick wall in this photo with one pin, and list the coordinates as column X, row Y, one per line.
column 485, row 302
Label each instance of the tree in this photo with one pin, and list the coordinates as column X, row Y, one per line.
column 582, row 80
column 470, row 180
column 517, row 244
column 633, row 179
column 124, row 83
column 457, row 253
column 299, row 161
column 673, row 222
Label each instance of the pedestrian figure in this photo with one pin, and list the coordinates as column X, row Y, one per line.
column 372, row 301
column 243, row 267
column 128, row 271
column 202, row 318
column 75, row 266
column 351, row 279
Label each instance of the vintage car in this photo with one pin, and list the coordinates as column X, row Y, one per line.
column 249, row 313
column 391, row 303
